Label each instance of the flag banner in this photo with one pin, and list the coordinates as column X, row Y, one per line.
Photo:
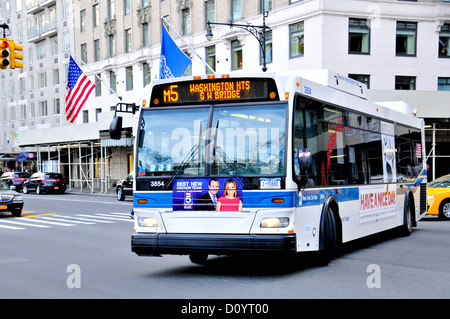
column 173, row 61
column 79, row 87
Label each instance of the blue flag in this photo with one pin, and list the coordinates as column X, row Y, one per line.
column 173, row 61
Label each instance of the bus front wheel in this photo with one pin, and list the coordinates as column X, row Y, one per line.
column 328, row 237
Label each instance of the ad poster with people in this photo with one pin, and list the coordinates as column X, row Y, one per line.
column 207, row 194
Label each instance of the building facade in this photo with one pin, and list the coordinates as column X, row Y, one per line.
column 398, row 48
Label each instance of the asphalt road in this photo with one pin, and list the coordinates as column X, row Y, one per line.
column 87, row 255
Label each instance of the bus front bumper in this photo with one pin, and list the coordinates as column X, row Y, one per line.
column 214, row 244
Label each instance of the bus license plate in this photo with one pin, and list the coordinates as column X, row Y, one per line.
column 270, row 183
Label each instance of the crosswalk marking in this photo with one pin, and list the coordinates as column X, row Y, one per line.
column 11, row 227
column 24, row 224
column 52, row 220
column 109, row 218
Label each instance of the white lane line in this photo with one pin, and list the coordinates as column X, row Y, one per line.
column 65, row 220
column 23, row 224
column 48, row 222
column 90, row 219
column 102, row 217
column 123, row 218
column 10, row 227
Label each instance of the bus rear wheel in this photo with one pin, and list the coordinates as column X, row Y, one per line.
column 406, row 228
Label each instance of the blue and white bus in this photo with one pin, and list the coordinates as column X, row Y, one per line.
column 270, row 164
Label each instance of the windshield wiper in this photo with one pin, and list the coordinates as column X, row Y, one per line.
column 196, row 149
column 233, row 169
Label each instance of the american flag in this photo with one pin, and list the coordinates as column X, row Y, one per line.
column 418, row 150
column 79, row 87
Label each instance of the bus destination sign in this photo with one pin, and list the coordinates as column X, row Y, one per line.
column 214, row 91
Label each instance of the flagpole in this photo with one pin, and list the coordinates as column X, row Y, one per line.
column 207, row 65
column 90, row 70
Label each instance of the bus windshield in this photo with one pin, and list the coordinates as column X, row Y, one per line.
column 242, row 139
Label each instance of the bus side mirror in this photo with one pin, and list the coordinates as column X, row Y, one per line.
column 115, row 129
column 304, row 163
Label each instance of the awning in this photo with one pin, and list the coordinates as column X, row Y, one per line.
column 26, row 156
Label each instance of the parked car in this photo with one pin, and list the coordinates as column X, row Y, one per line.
column 10, row 201
column 15, row 179
column 45, row 182
column 124, row 187
column 438, row 197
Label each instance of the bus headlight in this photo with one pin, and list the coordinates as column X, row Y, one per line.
column 274, row 222
column 147, row 222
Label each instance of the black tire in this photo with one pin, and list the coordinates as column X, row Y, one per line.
column 328, row 238
column 120, row 194
column 38, row 190
column 406, row 228
column 17, row 212
column 198, row 258
column 25, row 190
column 444, row 209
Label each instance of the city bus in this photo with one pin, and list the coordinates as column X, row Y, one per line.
column 271, row 164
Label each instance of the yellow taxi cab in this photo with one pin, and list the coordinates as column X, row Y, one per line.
column 438, row 197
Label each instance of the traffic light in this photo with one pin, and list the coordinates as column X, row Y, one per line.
column 15, row 55
column 4, row 54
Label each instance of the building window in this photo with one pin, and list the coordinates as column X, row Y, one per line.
column 40, row 51
column 85, row 116
column 406, row 38
column 129, row 78
column 84, row 52
column 128, row 47
column 112, row 81
column 268, row 49
column 147, row 75
column 97, row 113
column 236, row 9
column 236, row 55
column 211, row 58
column 23, row 112
column 95, row 15
column 405, row 82
column 111, row 11
column 56, row 106
column 358, row 36
column 83, row 20
column 97, row 50
column 363, row 78
column 443, row 84
column 43, row 108
column 55, row 76
column 444, row 41
column 112, row 45
column 127, row 5
column 42, row 79
column 12, row 113
column 145, row 35
column 210, row 11
column 186, row 16
column 32, row 111
column 297, row 37
column 98, row 86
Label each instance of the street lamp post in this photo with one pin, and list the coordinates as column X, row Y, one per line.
column 258, row 31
